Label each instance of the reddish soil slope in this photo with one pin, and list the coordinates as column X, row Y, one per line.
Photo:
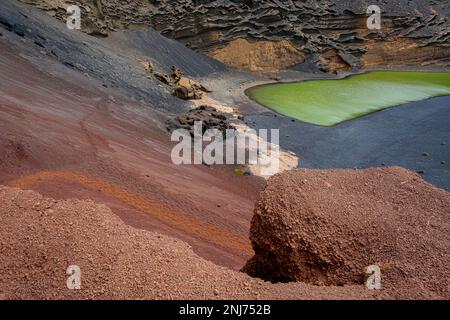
column 72, row 139
column 40, row 238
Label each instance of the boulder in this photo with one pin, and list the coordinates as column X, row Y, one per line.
column 326, row 227
column 188, row 89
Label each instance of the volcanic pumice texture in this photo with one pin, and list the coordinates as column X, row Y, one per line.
column 333, row 35
column 326, row 227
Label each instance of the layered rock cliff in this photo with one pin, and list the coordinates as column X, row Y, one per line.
column 331, row 34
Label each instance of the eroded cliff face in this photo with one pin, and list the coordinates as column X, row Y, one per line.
column 331, row 34
column 263, row 55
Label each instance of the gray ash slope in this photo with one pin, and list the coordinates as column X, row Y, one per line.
column 114, row 61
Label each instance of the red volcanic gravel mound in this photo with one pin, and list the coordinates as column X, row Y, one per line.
column 326, row 227
column 40, row 238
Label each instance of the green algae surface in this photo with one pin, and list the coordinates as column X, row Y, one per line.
column 328, row 102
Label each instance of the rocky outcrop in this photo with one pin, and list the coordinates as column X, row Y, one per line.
column 186, row 88
column 327, row 226
column 333, row 35
column 183, row 87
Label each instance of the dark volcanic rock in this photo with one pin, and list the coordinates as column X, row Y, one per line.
column 209, row 116
column 413, row 31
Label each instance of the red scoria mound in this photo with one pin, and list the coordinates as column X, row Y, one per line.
column 40, row 238
column 326, row 227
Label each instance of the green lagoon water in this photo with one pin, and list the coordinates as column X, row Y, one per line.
column 328, row 102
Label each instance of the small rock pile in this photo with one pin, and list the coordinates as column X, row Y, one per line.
column 209, row 116
column 183, row 87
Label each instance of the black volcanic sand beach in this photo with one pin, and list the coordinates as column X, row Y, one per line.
column 414, row 136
